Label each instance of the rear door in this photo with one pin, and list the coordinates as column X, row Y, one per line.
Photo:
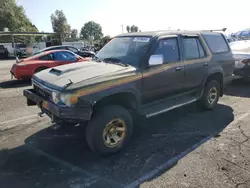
column 196, row 60
column 161, row 81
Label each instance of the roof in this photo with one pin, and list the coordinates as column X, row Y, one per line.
column 25, row 33
column 159, row 33
column 52, row 47
column 58, row 46
column 51, row 51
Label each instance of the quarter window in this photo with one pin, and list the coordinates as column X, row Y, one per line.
column 216, row 42
column 169, row 49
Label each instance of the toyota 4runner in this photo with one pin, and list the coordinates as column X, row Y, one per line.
column 147, row 72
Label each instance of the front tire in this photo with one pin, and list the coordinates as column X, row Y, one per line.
column 210, row 95
column 109, row 130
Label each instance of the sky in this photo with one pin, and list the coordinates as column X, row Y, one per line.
column 148, row 15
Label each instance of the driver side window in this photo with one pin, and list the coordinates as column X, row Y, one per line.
column 169, row 49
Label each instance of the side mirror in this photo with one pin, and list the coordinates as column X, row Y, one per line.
column 156, row 60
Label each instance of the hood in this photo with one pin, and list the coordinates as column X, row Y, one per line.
column 77, row 75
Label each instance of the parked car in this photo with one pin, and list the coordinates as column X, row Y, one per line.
column 70, row 48
column 241, row 53
column 26, row 68
column 3, row 52
column 147, row 73
column 20, row 50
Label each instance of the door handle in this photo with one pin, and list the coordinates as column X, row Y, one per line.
column 205, row 64
column 178, row 68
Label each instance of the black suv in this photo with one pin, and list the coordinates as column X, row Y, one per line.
column 4, row 53
column 70, row 48
column 147, row 73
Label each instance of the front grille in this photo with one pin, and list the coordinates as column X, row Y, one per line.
column 43, row 93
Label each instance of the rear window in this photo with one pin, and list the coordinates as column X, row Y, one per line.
column 216, row 43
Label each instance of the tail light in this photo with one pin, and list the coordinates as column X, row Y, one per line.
column 246, row 61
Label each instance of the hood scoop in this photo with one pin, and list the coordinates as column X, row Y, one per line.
column 60, row 72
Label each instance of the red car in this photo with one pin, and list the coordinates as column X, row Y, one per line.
column 26, row 68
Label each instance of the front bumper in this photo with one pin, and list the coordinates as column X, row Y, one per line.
column 54, row 111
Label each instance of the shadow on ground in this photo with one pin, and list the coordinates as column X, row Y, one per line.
column 58, row 159
column 236, row 86
column 5, row 59
column 15, row 84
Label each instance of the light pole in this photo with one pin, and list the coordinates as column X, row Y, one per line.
column 122, row 28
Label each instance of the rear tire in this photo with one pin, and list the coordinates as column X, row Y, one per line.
column 109, row 130
column 210, row 95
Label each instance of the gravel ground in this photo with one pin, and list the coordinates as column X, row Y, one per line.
column 181, row 148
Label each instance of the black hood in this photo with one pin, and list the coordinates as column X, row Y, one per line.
column 77, row 75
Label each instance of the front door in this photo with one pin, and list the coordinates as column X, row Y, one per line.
column 162, row 81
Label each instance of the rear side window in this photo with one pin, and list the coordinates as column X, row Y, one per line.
column 216, row 43
column 169, row 49
column 193, row 48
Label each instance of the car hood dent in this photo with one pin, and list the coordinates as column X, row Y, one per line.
column 84, row 74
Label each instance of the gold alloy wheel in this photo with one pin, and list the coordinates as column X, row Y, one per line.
column 114, row 132
column 212, row 95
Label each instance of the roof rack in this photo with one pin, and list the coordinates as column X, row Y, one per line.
column 212, row 30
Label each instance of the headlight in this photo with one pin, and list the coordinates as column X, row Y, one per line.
column 68, row 99
column 55, row 97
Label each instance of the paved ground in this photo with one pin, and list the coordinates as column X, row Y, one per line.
column 182, row 148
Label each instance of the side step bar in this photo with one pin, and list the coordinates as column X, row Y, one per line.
column 170, row 108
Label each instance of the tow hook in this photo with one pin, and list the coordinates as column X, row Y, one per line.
column 41, row 114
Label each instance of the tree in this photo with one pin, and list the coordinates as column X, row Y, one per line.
column 132, row 28
column 60, row 25
column 135, row 29
column 74, row 33
column 91, row 31
column 128, row 29
column 14, row 18
column 104, row 40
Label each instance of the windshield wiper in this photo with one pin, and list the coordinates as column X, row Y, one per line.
column 97, row 59
column 115, row 61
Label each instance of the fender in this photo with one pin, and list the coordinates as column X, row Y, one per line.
column 213, row 70
column 130, row 88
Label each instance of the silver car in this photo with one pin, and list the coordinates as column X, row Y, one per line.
column 241, row 53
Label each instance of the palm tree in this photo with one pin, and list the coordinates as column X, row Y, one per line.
column 135, row 29
column 132, row 28
column 128, row 29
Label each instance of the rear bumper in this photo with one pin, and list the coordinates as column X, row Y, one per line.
column 55, row 111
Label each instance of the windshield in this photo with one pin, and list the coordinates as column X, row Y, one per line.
column 128, row 50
